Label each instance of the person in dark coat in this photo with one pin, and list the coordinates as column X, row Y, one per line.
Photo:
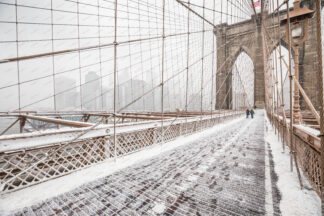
column 252, row 113
column 247, row 113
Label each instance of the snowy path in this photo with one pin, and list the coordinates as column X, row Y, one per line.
column 222, row 174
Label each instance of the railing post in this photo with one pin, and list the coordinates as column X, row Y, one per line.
column 187, row 68
column 115, row 79
column 162, row 74
column 22, row 124
column 202, row 66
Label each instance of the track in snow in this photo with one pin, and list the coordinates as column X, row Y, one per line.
column 222, row 174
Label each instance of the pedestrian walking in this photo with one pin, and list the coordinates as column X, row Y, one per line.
column 247, row 113
column 252, row 113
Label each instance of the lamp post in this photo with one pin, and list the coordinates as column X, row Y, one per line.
column 299, row 34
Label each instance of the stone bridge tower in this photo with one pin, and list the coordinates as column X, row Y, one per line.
column 236, row 38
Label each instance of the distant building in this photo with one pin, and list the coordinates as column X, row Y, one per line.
column 65, row 98
column 129, row 91
column 132, row 90
column 91, row 92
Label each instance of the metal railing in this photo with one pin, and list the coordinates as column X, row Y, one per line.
column 307, row 149
column 24, row 167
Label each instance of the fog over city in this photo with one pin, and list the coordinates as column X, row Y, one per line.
column 85, row 79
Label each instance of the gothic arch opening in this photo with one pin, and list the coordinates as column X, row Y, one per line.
column 243, row 82
column 281, row 74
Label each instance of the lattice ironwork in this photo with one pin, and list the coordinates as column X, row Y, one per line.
column 308, row 158
column 307, row 155
column 25, row 168
column 133, row 141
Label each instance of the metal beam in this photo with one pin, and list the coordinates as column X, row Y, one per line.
column 58, row 121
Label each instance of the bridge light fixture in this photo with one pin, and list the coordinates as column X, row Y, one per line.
column 299, row 20
column 299, row 34
column 298, row 13
column 296, row 31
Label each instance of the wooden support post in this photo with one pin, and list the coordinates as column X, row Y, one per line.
column 86, row 117
column 22, row 124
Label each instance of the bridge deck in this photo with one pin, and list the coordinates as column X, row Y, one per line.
column 223, row 174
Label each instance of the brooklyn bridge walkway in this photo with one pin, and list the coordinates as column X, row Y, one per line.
column 219, row 174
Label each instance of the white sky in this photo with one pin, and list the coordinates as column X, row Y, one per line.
column 140, row 60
